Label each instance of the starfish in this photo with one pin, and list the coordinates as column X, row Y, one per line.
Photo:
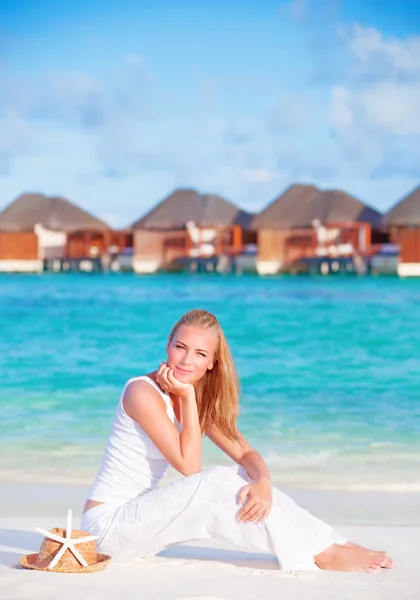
column 67, row 542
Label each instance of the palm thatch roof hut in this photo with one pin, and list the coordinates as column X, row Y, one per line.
column 187, row 224
column 291, row 227
column 301, row 204
column 286, row 210
column 55, row 213
column 34, row 228
column 184, row 205
column 406, row 212
column 403, row 223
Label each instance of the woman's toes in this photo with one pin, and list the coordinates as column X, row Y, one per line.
column 389, row 563
column 373, row 568
column 386, row 559
column 380, row 558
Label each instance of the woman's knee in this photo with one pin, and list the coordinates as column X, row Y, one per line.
column 218, row 470
column 223, row 474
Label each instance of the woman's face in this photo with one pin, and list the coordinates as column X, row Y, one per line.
column 191, row 353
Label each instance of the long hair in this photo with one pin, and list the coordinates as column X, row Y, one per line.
column 217, row 392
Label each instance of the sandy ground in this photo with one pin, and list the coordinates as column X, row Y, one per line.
column 212, row 570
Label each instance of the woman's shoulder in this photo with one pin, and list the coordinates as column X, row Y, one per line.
column 140, row 381
column 141, row 394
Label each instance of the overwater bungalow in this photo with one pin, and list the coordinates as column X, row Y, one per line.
column 40, row 233
column 192, row 231
column 308, row 229
column 403, row 223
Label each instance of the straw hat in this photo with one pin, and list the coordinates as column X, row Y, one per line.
column 58, row 552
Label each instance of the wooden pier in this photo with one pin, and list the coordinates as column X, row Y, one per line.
column 340, row 265
column 73, row 265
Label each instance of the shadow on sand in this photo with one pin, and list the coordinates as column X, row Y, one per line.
column 14, row 543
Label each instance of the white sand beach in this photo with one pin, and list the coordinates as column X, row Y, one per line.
column 214, row 570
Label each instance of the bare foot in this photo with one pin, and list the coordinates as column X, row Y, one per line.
column 350, row 558
column 389, row 563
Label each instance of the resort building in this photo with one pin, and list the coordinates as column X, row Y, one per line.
column 403, row 223
column 188, row 230
column 37, row 232
column 307, row 229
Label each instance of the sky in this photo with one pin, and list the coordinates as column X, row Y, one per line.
column 115, row 103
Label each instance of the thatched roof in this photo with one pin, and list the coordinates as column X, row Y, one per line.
column 205, row 210
column 53, row 213
column 406, row 212
column 286, row 210
column 300, row 205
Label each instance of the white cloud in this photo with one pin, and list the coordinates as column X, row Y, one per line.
column 62, row 96
column 108, row 115
column 375, row 109
column 124, row 141
column 388, row 56
column 393, row 108
column 73, row 98
column 384, row 108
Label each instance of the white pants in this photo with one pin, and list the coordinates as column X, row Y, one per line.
column 204, row 506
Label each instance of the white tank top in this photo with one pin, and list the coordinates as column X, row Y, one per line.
column 132, row 463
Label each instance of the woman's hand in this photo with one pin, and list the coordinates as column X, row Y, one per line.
column 165, row 377
column 257, row 500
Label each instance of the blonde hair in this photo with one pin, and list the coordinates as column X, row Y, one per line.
column 217, row 392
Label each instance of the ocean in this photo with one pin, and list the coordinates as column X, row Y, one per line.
column 329, row 369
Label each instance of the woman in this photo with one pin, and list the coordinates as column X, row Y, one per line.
column 160, row 419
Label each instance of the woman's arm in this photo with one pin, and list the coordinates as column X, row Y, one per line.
column 182, row 450
column 256, row 498
column 255, row 466
column 242, row 453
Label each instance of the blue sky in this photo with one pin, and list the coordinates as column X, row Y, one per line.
column 115, row 104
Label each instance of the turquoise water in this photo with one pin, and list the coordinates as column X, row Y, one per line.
column 330, row 370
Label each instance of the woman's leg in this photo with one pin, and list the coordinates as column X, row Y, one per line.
column 204, row 506
column 331, row 550
column 198, row 507
column 314, row 533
